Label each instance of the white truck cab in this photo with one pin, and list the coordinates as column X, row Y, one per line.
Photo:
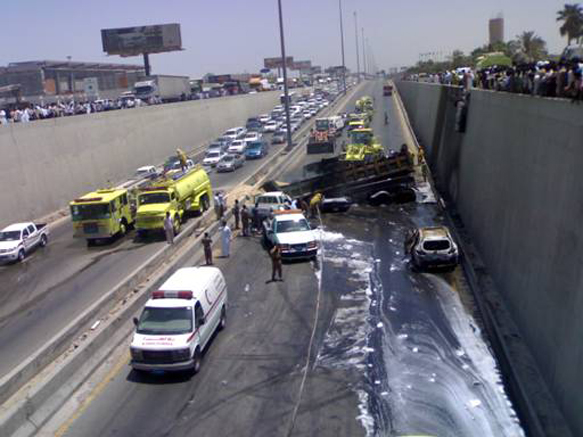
column 18, row 239
column 179, row 319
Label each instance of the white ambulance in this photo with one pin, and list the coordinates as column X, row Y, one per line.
column 179, row 320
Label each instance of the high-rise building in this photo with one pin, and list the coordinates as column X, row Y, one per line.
column 496, row 28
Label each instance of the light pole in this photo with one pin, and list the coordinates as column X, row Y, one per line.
column 357, row 54
column 285, row 91
column 342, row 46
column 363, row 54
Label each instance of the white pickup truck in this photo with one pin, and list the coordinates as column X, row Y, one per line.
column 17, row 240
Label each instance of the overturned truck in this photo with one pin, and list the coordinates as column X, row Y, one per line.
column 388, row 177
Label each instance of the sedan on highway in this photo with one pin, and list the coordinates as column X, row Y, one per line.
column 256, row 149
column 213, row 157
column 271, row 126
column 235, row 133
column 252, row 136
column 279, row 137
column 237, row 147
column 146, row 172
column 230, row 162
column 264, row 118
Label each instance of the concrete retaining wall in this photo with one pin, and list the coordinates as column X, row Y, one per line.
column 515, row 177
column 47, row 163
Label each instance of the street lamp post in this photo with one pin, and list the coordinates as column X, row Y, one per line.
column 285, row 91
column 357, row 54
column 363, row 54
column 342, row 46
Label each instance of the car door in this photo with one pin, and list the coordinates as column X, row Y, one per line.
column 26, row 239
column 33, row 236
column 203, row 324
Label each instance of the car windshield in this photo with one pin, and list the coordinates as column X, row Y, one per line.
column 96, row 211
column 151, row 198
column 292, row 226
column 254, row 146
column 228, row 158
column 10, row 236
column 213, row 155
column 165, row 321
column 268, row 199
column 436, row 245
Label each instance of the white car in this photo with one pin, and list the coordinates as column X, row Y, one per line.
column 238, row 146
column 252, row 137
column 307, row 114
column 292, row 232
column 20, row 238
column 264, row 118
column 213, row 157
column 235, row 133
column 271, row 126
column 179, row 320
column 146, row 172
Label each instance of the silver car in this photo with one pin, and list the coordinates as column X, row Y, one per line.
column 230, row 162
column 432, row 247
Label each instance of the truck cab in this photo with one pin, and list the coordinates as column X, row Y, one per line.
column 102, row 214
column 179, row 320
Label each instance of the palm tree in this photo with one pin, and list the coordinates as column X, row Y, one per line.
column 572, row 18
column 529, row 47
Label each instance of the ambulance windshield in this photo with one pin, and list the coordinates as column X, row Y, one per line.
column 165, row 321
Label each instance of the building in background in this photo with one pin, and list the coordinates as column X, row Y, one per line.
column 496, row 29
column 49, row 81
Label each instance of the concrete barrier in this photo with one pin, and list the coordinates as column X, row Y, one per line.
column 47, row 163
column 515, row 178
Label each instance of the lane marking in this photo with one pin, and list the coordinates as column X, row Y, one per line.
column 99, row 388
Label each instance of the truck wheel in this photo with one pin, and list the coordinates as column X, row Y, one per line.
column 204, row 204
column 122, row 228
column 90, row 242
column 223, row 321
column 197, row 361
column 21, row 255
column 176, row 224
column 43, row 240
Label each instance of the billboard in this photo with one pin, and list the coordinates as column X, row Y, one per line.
column 301, row 65
column 276, row 62
column 133, row 41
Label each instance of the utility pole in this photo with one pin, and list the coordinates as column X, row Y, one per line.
column 357, row 54
column 285, row 91
column 363, row 54
column 342, row 46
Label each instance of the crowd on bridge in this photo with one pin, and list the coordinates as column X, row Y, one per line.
column 561, row 79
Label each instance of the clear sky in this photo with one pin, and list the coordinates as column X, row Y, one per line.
column 234, row 36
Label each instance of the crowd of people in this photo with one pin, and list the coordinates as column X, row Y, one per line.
column 30, row 112
column 561, row 79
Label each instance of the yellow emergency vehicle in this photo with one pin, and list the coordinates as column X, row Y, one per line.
column 102, row 214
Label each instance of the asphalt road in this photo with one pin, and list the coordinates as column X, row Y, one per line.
column 53, row 285
column 393, row 352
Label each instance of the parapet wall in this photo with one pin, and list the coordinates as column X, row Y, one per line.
column 47, row 163
column 515, row 177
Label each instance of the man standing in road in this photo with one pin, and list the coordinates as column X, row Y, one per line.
column 207, row 243
column 275, row 254
column 169, row 228
column 217, row 205
column 255, row 215
column 245, row 221
column 226, row 235
column 236, row 213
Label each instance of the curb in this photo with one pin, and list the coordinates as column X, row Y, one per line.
column 40, row 380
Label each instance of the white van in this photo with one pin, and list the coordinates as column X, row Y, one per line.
column 179, row 319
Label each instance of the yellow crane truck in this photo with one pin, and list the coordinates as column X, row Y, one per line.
column 177, row 194
column 102, row 214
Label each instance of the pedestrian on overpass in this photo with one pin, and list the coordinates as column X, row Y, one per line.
column 207, row 243
column 169, row 228
column 226, row 236
column 245, row 216
column 237, row 214
column 275, row 254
